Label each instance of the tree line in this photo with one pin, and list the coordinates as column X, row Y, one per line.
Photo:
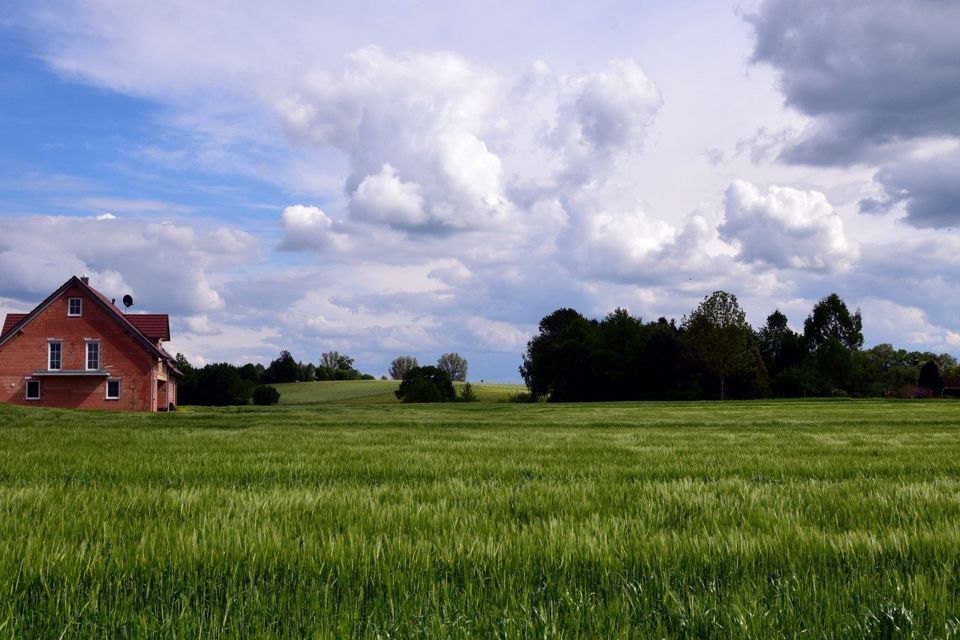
column 714, row 353
column 223, row 384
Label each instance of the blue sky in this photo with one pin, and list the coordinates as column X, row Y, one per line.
column 387, row 179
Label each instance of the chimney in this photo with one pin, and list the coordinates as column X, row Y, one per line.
column 85, row 280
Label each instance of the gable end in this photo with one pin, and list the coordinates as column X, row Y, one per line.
column 94, row 297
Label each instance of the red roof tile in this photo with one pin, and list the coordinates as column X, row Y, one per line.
column 153, row 325
column 11, row 321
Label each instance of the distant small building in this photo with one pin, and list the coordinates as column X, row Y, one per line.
column 78, row 350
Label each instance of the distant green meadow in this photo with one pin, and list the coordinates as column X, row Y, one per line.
column 376, row 392
column 341, row 518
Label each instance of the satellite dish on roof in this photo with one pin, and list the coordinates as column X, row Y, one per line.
column 127, row 300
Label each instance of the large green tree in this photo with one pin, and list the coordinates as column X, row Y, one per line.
column 664, row 373
column 832, row 320
column 719, row 338
column 557, row 363
column 782, row 350
column 781, row 346
column 833, row 336
column 618, row 356
column 284, row 369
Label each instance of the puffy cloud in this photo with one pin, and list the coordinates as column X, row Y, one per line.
column 786, row 228
column 438, row 144
column 384, row 198
column 309, row 228
column 612, row 237
column 412, row 125
column 515, row 179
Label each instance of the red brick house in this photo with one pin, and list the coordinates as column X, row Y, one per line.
column 78, row 350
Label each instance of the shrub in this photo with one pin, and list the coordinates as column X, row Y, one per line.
column 265, row 395
column 467, row 394
column 426, row 384
column 915, row 392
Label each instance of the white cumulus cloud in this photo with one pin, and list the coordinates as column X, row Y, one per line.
column 309, row 228
column 384, row 198
column 786, row 228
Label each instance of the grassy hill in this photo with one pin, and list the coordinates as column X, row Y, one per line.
column 341, row 391
column 374, row 392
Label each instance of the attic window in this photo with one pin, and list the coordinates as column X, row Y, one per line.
column 74, row 307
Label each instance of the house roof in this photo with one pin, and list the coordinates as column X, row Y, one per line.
column 11, row 321
column 12, row 326
column 155, row 326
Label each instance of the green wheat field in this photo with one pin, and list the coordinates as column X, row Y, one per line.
column 342, row 516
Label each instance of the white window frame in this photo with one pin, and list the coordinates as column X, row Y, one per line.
column 26, row 390
column 50, row 355
column 107, row 390
column 79, row 312
column 99, row 356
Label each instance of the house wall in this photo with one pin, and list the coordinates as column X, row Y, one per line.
column 120, row 354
